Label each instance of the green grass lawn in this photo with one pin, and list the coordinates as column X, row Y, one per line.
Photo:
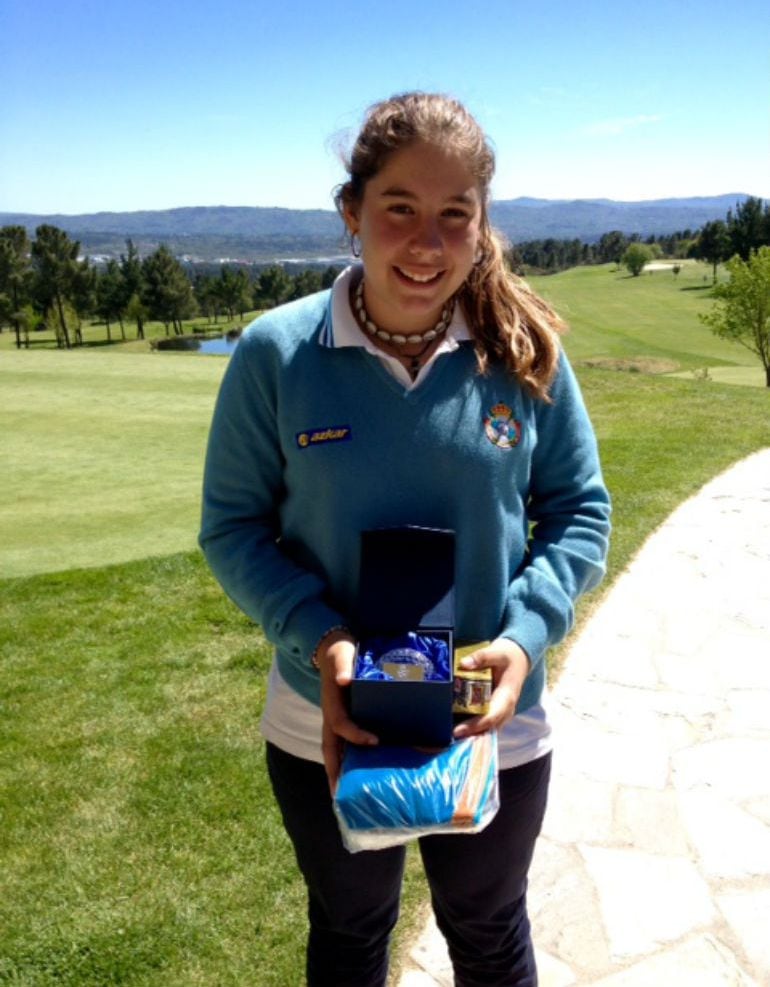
column 139, row 844
column 614, row 316
column 101, row 454
column 661, row 439
column 139, row 841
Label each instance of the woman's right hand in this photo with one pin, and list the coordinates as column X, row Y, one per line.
column 334, row 658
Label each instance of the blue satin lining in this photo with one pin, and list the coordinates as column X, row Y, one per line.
column 432, row 655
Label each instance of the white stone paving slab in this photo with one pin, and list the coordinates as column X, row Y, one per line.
column 416, row 978
column 615, row 708
column 701, row 962
column 579, row 809
column 649, row 821
column 748, row 913
column 640, row 760
column 646, row 899
column 608, row 655
column 552, row 972
column 736, row 767
column 730, row 842
column 748, row 711
column 431, row 958
column 759, row 808
column 689, row 673
column 699, row 710
column 564, row 908
column 739, row 656
column 688, row 631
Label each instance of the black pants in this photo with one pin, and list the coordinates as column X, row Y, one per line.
column 478, row 883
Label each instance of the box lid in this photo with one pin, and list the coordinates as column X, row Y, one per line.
column 406, row 580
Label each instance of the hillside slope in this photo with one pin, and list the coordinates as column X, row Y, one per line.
column 259, row 234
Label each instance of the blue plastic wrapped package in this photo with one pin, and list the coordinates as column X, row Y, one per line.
column 391, row 795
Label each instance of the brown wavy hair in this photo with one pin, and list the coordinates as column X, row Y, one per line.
column 510, row 324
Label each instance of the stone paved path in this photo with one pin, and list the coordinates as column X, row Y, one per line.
column 653, row 869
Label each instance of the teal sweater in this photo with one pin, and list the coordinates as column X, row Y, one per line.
column 310, row 445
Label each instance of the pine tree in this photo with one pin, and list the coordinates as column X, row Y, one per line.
column 110, row 296
column 15, row 274
column 131, row 273
column 713, row 245
column 166, row 292
column 55, row 264
column 747, row 228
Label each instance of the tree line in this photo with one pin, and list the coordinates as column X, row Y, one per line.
column 741, row 234
column 744, row 230
column 550, row 255
column 46, row 283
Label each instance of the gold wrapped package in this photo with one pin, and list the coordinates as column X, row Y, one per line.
column 472, row 687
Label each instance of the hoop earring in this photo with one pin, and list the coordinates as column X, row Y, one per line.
column 355, row 244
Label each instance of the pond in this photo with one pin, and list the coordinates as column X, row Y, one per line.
column 211, row 345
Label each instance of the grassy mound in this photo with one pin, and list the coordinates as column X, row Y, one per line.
column 632, row 365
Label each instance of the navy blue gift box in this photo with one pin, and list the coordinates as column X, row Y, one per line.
column 406, row 604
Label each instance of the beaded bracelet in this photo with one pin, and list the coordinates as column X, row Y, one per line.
column 332, row 630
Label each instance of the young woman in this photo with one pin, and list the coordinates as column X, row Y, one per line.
column 428, row 387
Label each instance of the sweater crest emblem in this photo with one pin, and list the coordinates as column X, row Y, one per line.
column 501, row 428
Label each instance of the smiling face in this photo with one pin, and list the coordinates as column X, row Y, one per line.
column 419, row 224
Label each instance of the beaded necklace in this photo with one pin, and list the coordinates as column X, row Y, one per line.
column 397, row 339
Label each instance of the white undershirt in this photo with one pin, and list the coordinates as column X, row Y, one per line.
column 289, row 720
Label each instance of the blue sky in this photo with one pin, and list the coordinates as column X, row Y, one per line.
column 161, row 103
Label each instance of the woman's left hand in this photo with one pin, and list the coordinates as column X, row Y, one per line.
column 335, row 658
column 510, row 666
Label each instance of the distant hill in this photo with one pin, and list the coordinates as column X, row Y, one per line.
column 587, row 219
column 263, row 234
